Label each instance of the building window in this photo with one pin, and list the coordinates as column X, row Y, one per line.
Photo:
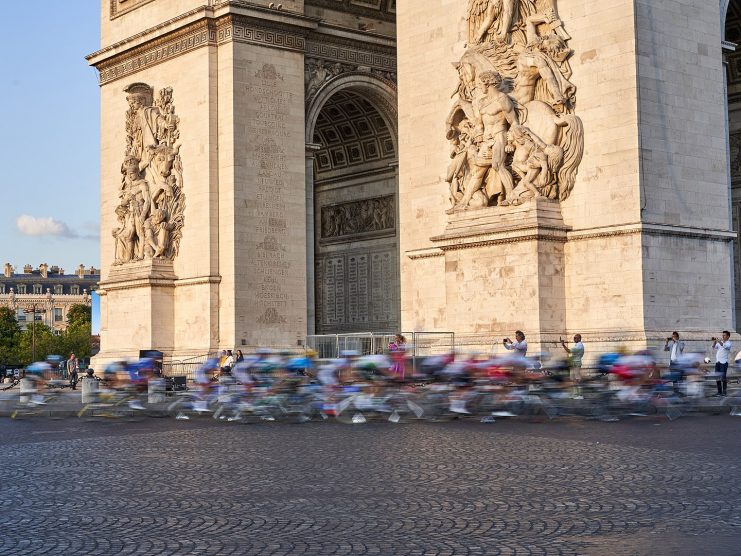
column 57, row 314
column 58, row 289
column 75, row 290
column 38, row 289
column 2, row 289
column 21, row 289
column 20, row 315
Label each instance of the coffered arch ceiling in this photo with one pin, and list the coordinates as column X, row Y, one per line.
column 351, row 133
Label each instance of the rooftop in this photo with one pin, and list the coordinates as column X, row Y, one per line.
column 44, row 271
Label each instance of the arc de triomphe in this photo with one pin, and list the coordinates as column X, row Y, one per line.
column 276, row 169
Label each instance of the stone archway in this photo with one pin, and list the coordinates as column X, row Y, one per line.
column 352, row 158
column 723, row 16
column 731, row 35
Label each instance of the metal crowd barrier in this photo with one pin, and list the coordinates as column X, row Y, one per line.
column 418, row 344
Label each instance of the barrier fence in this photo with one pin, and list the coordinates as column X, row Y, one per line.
column 330, row 346
column 185, row 367
column 418, row 344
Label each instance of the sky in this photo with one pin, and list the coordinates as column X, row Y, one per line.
column 49, row 109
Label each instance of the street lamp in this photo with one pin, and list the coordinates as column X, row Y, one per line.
column 33, row 309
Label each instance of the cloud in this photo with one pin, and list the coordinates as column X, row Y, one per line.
column 48, row 226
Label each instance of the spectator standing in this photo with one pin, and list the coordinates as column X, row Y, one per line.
column 519, row 345
column 576, row 355
column 240, row 356
column 723, row 351
column 72, row 367
column 228, row 364
column 675, row 347
column 398, row 349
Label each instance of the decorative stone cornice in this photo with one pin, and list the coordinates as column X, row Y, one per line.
column 464, row 239
column 173, row 24
column 198, row 280
column 724, row 236
column 147, row 282
column 418, row 254
column 171, row 45
column 200, row 33
column 483, row 241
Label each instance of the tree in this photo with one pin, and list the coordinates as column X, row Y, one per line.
column 78, row 336
column 79, row 315
column 46, row 342
column 10, row 332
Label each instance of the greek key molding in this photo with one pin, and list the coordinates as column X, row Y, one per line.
column 205, row 32
column 160, row 50
column 356, row 53
column 234, row 28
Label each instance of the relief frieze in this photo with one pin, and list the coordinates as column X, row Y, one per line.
column 357, row 219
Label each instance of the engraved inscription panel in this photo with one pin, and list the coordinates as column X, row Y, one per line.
column 269, row 164
column 356, row 291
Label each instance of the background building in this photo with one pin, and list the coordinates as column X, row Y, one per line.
column 49, row 289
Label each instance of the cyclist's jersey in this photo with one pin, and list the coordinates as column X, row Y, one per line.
column 242, row 373
column 201, row 377
column 327, row 375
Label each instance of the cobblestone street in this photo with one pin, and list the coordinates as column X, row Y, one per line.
column 171, row 487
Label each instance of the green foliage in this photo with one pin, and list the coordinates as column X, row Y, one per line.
column 79, row 315
column 10, row 332
column 77, row 337
column 17, row 345
column 46, row 342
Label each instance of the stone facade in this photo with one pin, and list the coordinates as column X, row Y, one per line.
column 645, row 241
column 556, row 167
column 259, row 159
column 48, row 288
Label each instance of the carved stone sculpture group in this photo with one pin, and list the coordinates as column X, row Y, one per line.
column 358, row 217
column 151, row 199
column 512, row 128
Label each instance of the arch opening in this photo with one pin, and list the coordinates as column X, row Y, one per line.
column 732, row 60
column 355, row 214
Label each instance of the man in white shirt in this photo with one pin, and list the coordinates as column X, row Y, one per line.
column 723, row 351
column 674, row 347
column 576, row 354
column 519, row 345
